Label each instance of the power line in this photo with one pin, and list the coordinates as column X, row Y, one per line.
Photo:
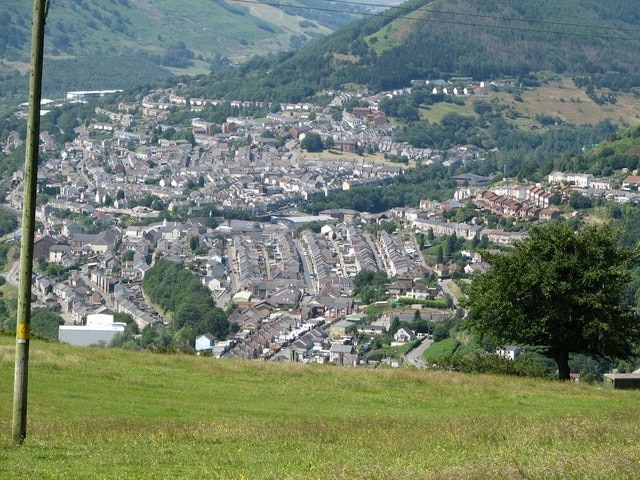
column 494, row 17
column 457, row 22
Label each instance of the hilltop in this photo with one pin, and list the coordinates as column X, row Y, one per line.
column 99, row 413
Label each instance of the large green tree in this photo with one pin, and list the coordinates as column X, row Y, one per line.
column 559, row 290
column 8, row 222
column 312, row 142
column 46, row 322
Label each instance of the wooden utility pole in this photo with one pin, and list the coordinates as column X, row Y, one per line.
column 40, row 9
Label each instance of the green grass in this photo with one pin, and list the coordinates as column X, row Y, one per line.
column 435, row 112
column 388, row 37
column 456, row 290
column 557, row 97
column 441, row 350
column 95, row 413
column 9, row 295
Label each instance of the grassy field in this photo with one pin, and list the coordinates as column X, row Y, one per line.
column 95, row 413
column 557, row 97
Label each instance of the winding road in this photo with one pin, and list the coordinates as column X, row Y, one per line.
column 414, row 357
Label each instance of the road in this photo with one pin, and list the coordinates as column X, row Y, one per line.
column 445, row 287
column 10, row 209
column 13, row 274
column 414, row 357
column 306, row 267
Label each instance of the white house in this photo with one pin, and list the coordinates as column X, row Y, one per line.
column 58, row 252
column 404, row 335
column 510, row 352
column 205, row 342
column 419, row 292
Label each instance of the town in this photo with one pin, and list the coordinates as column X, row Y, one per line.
column 287, row 286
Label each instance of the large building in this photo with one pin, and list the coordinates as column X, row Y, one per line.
column 99, row 330
column 86, row 94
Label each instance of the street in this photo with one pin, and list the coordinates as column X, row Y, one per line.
column 414, row 357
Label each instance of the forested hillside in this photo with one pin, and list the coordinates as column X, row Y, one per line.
column 620, row 150
column 118, row 44
column 124, row 43
column 421, row 39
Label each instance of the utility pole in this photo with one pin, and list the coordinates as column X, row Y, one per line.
column 40, row 9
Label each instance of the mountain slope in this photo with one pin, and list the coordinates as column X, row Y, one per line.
column 480, row 39
column 163, row 36
column 234, row 29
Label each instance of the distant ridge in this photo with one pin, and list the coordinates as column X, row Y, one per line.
column 98, row 38
column 471, row 38
column 119, row 44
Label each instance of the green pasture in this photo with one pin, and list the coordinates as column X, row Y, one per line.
column 101, row 414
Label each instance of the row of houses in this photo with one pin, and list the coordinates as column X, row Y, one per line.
column 508, row 207
column 582, row 180
column 395, row 256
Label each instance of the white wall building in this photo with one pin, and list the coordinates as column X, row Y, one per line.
column 100, row 329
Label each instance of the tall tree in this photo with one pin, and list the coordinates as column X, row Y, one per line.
column 559, row 290
column 312, row 142
column 46, row 322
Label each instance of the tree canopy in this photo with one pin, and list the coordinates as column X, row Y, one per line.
column 312, row 142
column 560, row 290
column 46, row 322
column 369, row 285
column 8, row 222
column 178, row 292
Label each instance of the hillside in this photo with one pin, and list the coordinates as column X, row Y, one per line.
column 98, row 413
column 430, row 40
column 616, row 157
column 141, row 42
column 102, row 41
